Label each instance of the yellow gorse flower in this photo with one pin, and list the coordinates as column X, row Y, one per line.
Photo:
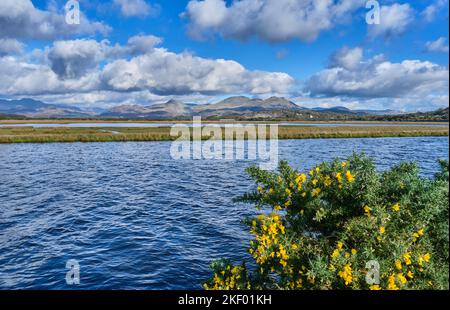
column 396, row 207
column 401, row 278
column 391, row 283
column 382, row 229
column 424, row 258
column 335, row 253
column 407, row 258
column 315, row 192
column 410, row 274
column 346, row 274
column 375, row 287
column 418, row 234
column 367, row 210
column 288, row 192
column 266, row 233
column 227, row 279
column 350, row 177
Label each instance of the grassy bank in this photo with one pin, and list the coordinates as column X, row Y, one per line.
column 109, row 134
column 189, row 121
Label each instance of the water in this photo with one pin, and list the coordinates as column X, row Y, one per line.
column 136, row 219
column 158, row 125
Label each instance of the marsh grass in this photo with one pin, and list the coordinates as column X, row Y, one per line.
column 110, row 134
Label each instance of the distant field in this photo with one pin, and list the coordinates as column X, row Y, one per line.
column 106, row 134
column 227, row 121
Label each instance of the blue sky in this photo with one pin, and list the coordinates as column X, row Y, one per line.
column 318, row 57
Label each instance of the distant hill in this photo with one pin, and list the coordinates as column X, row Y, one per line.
column 333, row 109
column 238, row 108
column 177, row 109
column 34, row 108
column 358, row 111
column 441, row 115
column 171, row 109
column 11, row 116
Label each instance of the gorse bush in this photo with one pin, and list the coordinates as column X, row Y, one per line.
column 343, row 225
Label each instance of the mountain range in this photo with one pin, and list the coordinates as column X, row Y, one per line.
column 38, row 109
column 238, row 107
column 178, row 109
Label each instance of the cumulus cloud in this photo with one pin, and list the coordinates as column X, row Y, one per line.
column 440, row 45
column 23, row 78
column 380, row 78
column 164, row 72
column 138, row 8
column 73, row 59
column 404, row 104
column 10, row 47
column 82, row 66
column 394, row 21
column 347, row 58
column 21, row 20
column 136, row 45
column 269, row 20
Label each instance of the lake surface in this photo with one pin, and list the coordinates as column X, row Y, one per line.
column 158, row 125
column 136, row 219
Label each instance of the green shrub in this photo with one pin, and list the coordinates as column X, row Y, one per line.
column 325, row 229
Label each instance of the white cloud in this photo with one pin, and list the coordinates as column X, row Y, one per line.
column 23, row 78
column 20, row 19
column 394, row 20
column 437, row 46
column 85, row 66
column 348, row 58
column 10, row 46
column 431, row 11
column 164, row 72
column 269, row 20
column 73, row 59
column 380, row 78
column 138, row 8
column 407, row 104
column 136, row 45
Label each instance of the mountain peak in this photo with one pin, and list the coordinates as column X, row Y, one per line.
column 174, row 101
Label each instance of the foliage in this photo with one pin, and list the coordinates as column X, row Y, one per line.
column 319, row 230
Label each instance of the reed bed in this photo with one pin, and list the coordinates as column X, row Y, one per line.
column 111, row 134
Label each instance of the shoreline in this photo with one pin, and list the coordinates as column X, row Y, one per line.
column 225, row 121
column 28, row 134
